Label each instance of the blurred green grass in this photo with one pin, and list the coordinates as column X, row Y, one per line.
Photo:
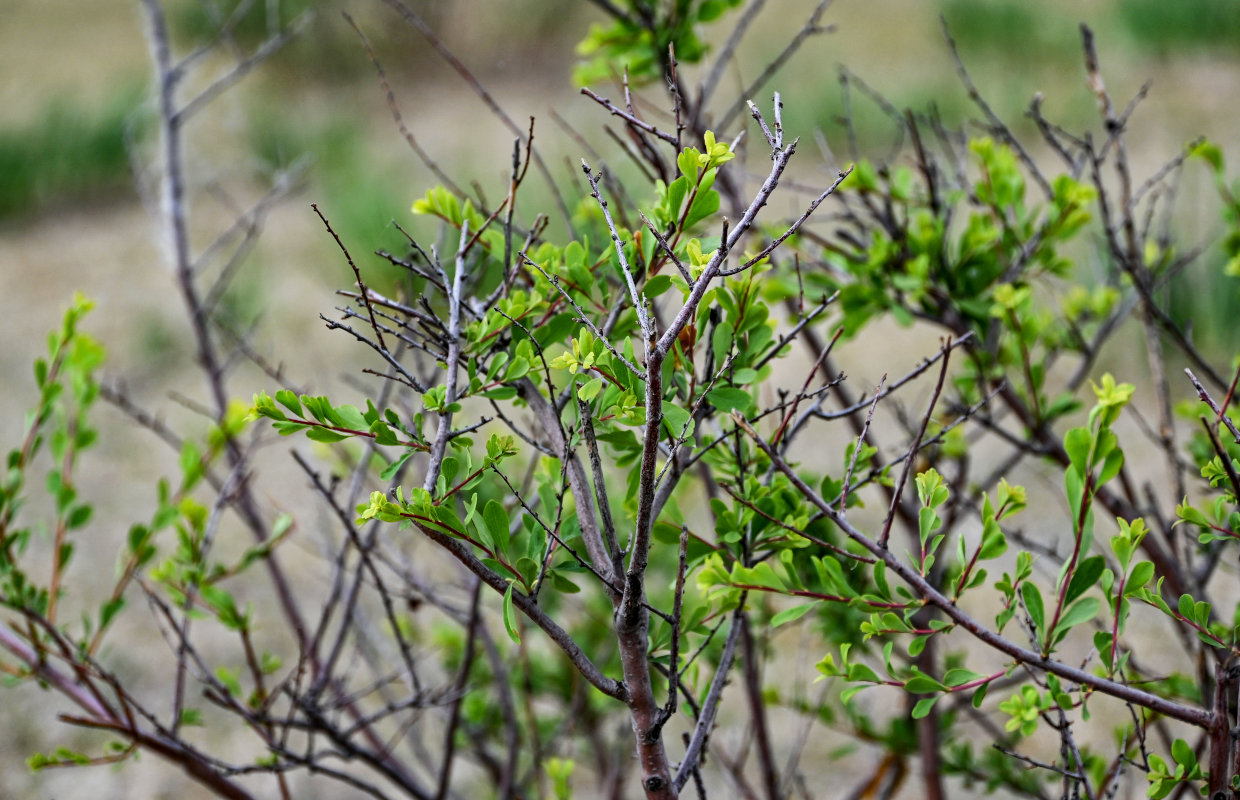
column 1034, row 35
column 1012, row 30
column 359, row 200
column 326, row 52
column 1182, row 26
column 70, row 153
column 247, row 21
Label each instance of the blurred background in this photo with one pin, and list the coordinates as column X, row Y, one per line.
column 76, row 209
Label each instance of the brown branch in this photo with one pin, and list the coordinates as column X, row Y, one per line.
column 908, row 459
column 923, row 588
column 1219, row 413
column 629, row 118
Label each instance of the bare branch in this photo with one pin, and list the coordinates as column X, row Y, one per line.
column 1190, row 714
column 706, row 720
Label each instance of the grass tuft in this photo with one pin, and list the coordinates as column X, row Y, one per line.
column 67, row 154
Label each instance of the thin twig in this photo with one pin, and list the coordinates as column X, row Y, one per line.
column 706, row 720
column 908, row 460
column 852, row 463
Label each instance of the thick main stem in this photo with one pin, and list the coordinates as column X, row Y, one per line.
column 632, row 617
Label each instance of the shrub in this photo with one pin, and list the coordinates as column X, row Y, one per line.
column 603, row 442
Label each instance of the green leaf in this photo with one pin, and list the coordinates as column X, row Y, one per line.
column 922, row 684
column 224, row 606
column 109, row 610
column 288, row 428
column 317, row 434
column 1111, row 466
column 863, row 673
column 501, row 393
column 389, row 472
column 745, row 376
column 676, row 419
column 1183, row 754
column 1033, row 602
column 657, row 285
column 1074, row 488
column 1209, row 152
column 689, row 165
column 562, row 583
column 191, row 464
column 228, row 678
column 449, row 468
column 927, row 522
column 1083, row 611
column 705, row 202
column 922, row 709
column 528, row 567
column 270, row 663
column 848, row 693
column 721, row 340
column 1186, row 606
column 959, row 677
column 78, row 516
column 791, row 614
column 1102, row 643
column 510, row 616
column 1141, row 573
column 726, row 398
column 1077, row 442
column 289, row 400
column 1087, row 574
column 496, row 520
column 588, row 391
column 519, row 368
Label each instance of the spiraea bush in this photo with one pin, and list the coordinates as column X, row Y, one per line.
column 610, row 457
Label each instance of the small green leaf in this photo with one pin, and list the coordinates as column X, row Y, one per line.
column 1077, row 442
column 109, row 610
column 1087, row 574
column 289, row 400
column 862, row 673
column 563, row 584
column 510, row 616
column 922, row 709
column 922, row 684
column 726, row 398
column 1102, row 643
column 389, row 472
column 959, row 677
column 496, row 520
column 528, row 568
column 588, row 391
column 78, row 516
column 317, row 434
column 657, row 285
column 1033, row 602
column 791, row 614
column 1183, row 754
column 1083, row 611
column 676, row 419
column 1141, row 573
